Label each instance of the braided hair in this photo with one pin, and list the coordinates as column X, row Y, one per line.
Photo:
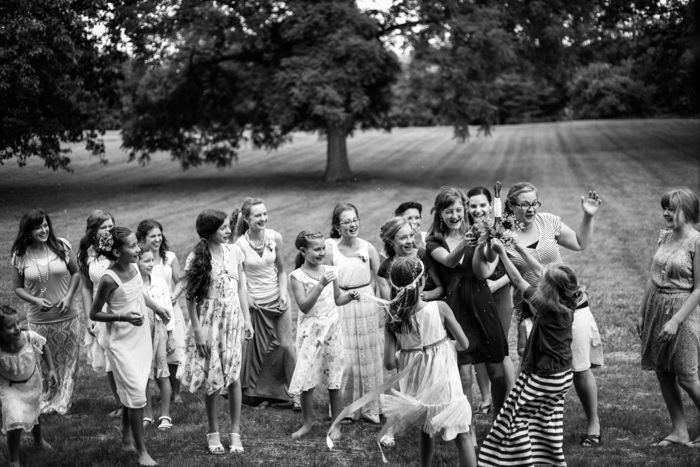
column 198, row 273
column 406, row 277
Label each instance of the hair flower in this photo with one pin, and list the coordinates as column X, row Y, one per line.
column 105, row 242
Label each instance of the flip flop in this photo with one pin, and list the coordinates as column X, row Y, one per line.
column 667, row 442
column 589, row 441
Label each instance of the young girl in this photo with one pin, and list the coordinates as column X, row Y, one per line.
column 92, row 266
column 219, row 319
column 155, row 287
column 20, row 381
column 165, row 264
column 130, row 351
column 532, row 416
column 430, row 395
column 319, row 343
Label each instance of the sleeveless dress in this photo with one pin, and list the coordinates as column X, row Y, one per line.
column 473, row 305
column 62, row 331
column 20, row 384
column 130, row 349
column 672, row 277
column 363, row 336
column 430, row 396
column 221, row 321
column 268, row 358
column 97, row 342
column 176, row 325
column 319, row 343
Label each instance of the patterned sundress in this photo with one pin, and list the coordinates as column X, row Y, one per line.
column 221, row 321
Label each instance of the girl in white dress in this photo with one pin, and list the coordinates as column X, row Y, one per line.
column 219, row 320
column 319, row 341
column 20, row 381
column 430, row 395
column 130, row 350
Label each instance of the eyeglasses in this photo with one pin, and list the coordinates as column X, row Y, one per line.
column 525, row 205
column 350, row 221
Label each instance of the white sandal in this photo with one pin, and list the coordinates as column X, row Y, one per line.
column 236, row 447
column 214, row 444
column 165, row 424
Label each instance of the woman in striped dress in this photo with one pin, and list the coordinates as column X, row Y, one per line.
column 529, row 429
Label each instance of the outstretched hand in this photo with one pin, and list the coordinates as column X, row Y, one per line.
column 591, row 203
column 497, row 246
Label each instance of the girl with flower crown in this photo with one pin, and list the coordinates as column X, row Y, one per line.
column 416, row 343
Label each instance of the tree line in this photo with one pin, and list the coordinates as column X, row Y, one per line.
column 199, row 79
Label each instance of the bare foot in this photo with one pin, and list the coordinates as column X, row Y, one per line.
column 44, row 445
column 128, row 446
column 177, row 399
column 146, row 459
column 335, row 433
column 305, row 429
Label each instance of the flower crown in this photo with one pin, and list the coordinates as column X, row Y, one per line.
column 105, row 242
column 420, row 269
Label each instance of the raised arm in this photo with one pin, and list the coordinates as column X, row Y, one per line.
column 482, row 266
column 306, row 301
column 450, row 258
column 515, row 276
column 580, row 239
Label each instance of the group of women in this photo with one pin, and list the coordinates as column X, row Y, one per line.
column 47, row 275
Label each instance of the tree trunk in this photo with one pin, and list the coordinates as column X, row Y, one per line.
column 337, row 165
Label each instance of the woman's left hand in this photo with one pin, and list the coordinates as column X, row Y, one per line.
column 591, row 204
column 669, row 330
column 53, row 378
column 284, row 299
column 248, row 330
column 64, row 304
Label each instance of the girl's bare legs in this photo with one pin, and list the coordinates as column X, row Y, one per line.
column 127, row 444
column 307, row 413
column 13, row 439
column 499, row 391
column 148, row 410
column 427, row 449
column 174, row 384
column 39, row 440
column 136, row 422
column 465, row 448
column 165, row 393
column 671, row 393
column 482, row 380
column 235, row 398
column 211, row 403
column 465, row 375
column 692, row 387
column 113, row 387
column 336, row 399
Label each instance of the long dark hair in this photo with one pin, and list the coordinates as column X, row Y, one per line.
column 94, row 221
column 199, row 272
column 444, row 199
column 335, row 217
column 476, row 191
column 111, row 242
column 144, row 227
column 302, row 241
column 404, row 270
column 239, row 224
column 30, row 221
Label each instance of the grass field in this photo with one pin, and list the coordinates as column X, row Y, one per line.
column 631, row 163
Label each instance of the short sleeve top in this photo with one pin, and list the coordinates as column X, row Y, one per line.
column 260, row 269
column 325, row 305
column 47, row 277
column 224, row 276
column 548, row 349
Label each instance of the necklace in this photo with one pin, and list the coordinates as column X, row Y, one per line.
column 260, row 243
column 43, row 281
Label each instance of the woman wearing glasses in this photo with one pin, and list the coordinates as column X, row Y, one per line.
column 543, row 234
column 358, row 262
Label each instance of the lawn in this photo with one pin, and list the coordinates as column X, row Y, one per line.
column 631, row 163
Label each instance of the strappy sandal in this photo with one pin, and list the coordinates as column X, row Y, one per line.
column 590, row 441
column 214, row 445
column 236, row 447
column 165, row 424
column 147, row 421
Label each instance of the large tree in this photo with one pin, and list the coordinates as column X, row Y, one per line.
column 56, row 86
column 208, row 76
